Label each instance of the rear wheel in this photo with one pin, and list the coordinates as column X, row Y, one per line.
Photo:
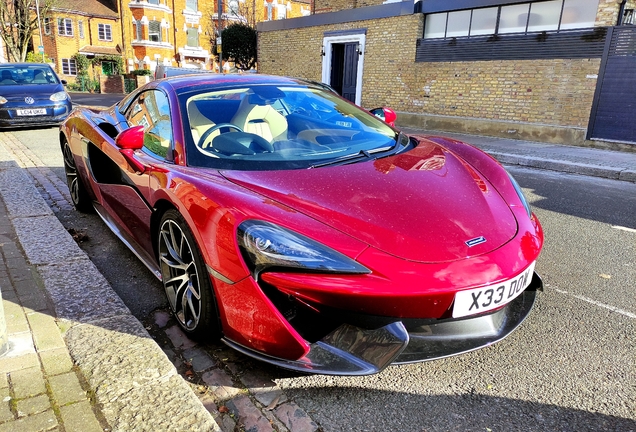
column 79, row 196
column 186, row 279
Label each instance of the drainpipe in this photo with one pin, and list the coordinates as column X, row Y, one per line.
column 123, row 36
column 174, row 34
column 621, row 12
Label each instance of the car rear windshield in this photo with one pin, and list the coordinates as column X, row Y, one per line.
column 264, row 127
column 21, row 75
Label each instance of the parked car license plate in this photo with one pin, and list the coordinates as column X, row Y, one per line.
column 479, row 300
column 31, row 112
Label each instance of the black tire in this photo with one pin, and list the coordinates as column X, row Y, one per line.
column 79, row 195
column 186, row 280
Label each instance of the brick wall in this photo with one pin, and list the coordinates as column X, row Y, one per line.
column 111, row 84
column 333, row 5
column 556, row 92
column 608, row 11
column 546, row 99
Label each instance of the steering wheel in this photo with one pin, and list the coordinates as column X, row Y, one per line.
column 214, row 128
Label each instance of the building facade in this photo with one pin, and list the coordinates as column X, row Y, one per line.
column 142, row 34
column 539, row 70
column 86, row 27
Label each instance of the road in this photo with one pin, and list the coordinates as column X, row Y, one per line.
column 571, row 366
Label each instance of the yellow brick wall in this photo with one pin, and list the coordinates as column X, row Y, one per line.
column 555, row 92
column 322, row 6
column 608, row 11
column 93, row 23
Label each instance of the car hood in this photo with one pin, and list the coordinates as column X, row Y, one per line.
column 423, row 205
column 36, row 91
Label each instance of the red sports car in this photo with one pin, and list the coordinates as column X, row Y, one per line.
column 301, row 229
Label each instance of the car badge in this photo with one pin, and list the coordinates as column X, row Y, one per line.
column 476, row 241
column 29, row 100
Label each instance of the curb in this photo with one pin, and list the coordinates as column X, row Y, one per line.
column 565, row 166
column 127, row 371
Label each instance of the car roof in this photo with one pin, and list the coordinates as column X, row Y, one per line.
column 25, row 64
column 183, row 81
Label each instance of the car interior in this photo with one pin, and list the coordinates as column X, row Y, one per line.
column 271, row 123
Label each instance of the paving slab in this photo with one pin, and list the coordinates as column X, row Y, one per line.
column 79, row 417
column 33, row 405
column 66, row 388
column 46, row 334
column 56, row 361
column 39, row 422
column 27, row 382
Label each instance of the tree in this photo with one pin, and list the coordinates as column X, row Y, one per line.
column 239, row 45
column 19, row 22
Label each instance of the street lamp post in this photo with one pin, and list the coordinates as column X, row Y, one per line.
column 219, row 40
column 37, row 11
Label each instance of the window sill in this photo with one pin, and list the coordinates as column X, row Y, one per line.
column 146, row 5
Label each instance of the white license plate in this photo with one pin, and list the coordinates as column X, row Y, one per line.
column 31, row 112
column 479, row 300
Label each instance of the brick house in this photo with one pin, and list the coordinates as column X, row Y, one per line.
column 560, row 71
column 145, row 33
column 86, row 26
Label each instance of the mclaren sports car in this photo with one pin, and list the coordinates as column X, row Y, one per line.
column 302, row 230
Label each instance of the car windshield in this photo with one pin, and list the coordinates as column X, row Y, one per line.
column 35, row 74
column 264, row 127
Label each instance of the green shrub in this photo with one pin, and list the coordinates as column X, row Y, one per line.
column 141, row 72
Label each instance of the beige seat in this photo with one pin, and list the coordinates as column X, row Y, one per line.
column 199, row 123
column 262, row 120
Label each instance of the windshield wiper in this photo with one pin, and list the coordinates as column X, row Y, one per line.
column 367, row 154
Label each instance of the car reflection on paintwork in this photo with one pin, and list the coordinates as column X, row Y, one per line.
column 302, row 230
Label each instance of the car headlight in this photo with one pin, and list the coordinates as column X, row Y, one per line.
column 3, row 100
column 265, row 245
column 522, row 197
column 59, row 96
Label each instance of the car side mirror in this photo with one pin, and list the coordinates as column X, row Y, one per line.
column 132, row 138
column 387, row 114
column 128, row 141
column 64, row 82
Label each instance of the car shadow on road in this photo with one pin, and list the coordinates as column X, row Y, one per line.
column 580, row 196
column 445, row 412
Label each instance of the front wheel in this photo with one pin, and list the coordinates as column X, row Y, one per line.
column 186, row 279
column 79, row 196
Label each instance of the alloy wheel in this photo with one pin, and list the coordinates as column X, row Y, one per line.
column 180, row 275
column 71, row 174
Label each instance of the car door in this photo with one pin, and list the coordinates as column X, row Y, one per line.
column 127, row 198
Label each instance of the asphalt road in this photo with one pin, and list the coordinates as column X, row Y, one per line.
column 571, row 366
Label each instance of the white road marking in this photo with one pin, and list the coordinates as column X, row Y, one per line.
column 631, row 230
column 594, row 302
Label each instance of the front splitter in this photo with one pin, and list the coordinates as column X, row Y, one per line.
column 351, row 350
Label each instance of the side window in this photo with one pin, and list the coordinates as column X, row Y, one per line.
column 151, row 109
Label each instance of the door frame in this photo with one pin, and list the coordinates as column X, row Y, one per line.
column 327, row 43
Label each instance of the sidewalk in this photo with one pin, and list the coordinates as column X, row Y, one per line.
column 78, row 360
column 556, row 157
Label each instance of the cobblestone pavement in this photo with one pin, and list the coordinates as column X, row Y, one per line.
column 237, row 398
